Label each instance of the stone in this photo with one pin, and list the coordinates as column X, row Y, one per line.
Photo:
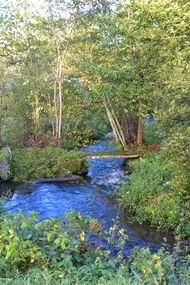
column 5, row 159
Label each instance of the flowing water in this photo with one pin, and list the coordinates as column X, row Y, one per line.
column 92, row 198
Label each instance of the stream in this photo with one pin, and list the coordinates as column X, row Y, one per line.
column 92, row 198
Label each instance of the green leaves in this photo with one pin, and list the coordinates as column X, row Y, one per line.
column 157, row 192
column 52, row 252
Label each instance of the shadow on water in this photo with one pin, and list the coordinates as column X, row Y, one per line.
column 53, row 200
column 7, row 189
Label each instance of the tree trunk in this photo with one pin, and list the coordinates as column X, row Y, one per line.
column 56, row 110
column 37, row 115
column 60, row 111
column 119, row 128
column 132, row 128
column 116, row 127
column 111, row 121
column 140, row 131
column 58, row 97
column 1, row 107
column 129, row 8
column 125, row 128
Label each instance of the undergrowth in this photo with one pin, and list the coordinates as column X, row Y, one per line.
column 158, row 192
column 72, row 250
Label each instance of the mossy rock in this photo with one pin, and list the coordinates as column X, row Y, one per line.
column 33, row 163
column 5, row 162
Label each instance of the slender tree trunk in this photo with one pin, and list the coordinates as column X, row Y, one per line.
column 140, row 131
column 1, row 107
column 56, row 110
column 111, row 121
column 58, row 97
column 36, row 98
column 60, row 110
column 51, row 116
column 37, row 114
column 129, row 8
column 116, row 127
column 133, row 126
column 125, row 128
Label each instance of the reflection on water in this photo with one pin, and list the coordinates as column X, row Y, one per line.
column 54, row 200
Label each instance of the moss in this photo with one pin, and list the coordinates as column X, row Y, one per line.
column 33, row 163
column 3, row 155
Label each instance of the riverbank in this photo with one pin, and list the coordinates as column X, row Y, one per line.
column 32, row 163
column 52, row 164
column 157, row 192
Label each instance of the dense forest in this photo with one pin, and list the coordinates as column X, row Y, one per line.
column 71, row 72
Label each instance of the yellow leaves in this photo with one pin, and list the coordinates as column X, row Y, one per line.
column 96, row 227
column 25, row 82
column 182, row 192
column 82, row 236
column 32, row 258
column 99, row 79
column 178, row 238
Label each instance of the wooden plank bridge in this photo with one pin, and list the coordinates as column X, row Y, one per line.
column 110, row 154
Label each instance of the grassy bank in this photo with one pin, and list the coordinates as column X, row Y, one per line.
column 158, row 192
column 34, row 163
column 59, row 251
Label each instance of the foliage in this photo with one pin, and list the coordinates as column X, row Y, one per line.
column 39, row 86
column 158, row 192
column 69, row 144
column 4, row 155
column 60, row 68
column 33, row 163
column 83, row 121
column 60, row 244
column 152, row 133
column 62, row 251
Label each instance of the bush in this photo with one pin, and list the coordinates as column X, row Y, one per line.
column 63, row 251
column 63, row 244
column 153, row 194
column 33, row 163
column 69, row 144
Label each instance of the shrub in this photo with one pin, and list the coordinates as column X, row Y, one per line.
column 69, row 144
column 33, row 163
column 62, row 244
column 63, row 251
column 154, row 195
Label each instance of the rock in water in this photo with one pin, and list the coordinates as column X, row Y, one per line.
column 5, row 158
